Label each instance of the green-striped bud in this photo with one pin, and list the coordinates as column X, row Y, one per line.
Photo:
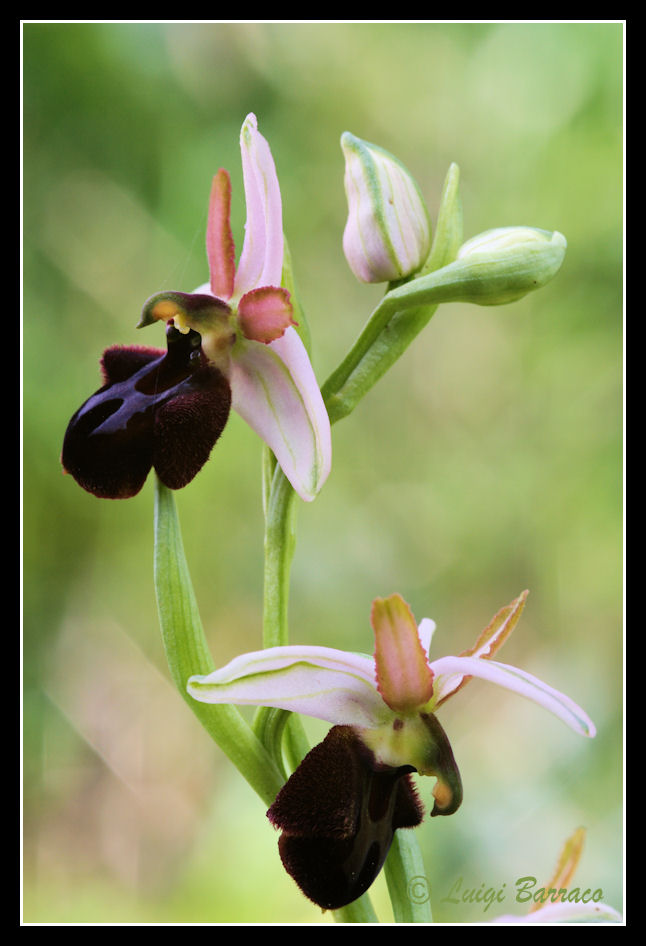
column 493, row 268
column 388, row 232
column 506, row 263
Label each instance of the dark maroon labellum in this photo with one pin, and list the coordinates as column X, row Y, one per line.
column 338, row 814
column 156, row 409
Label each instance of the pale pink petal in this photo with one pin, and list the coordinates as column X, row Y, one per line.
column 261, row 260
column 498, row 630
column 403, row 675
column 426, row 630
column 513, row 679
column 204, row 289
column 220, row 249
column 274, row 389
column 327, row 684
column 265, row 313
column 490, row 640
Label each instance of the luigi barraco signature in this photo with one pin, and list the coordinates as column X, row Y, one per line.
column 526, row 892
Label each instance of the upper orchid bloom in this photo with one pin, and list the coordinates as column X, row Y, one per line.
column 242, row 321
column 244, row 318
column 344, row 802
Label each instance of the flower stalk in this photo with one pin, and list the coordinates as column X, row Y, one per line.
column 392, row 326
column 408, row 887
column 280, row 541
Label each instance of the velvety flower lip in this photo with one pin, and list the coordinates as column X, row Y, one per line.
column 388, row 702
column 335, row 847
column 156, row 409
column 245, row 319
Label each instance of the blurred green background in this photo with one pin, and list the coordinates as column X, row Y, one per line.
column 487, row 461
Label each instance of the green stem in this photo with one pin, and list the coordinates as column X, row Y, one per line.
column 332, row 389
column 408, row 887
column 296, row 745
column 359, row 911
column 279, row 551
column 188, row 653
column 386, row 336
column 269, row 726
column 280, row 540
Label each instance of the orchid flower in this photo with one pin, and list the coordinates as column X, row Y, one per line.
column 231, row 343
column 340, row 808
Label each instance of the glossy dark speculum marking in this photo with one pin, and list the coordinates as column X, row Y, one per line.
column 156, row 409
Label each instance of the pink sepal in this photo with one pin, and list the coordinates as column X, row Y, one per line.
column 261, row 260
column 220, row 248
column 403, row 675
column 265, row 313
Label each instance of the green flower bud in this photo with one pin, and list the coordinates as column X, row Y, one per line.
column 508, row 262
column 388, row 232
column 493, row 268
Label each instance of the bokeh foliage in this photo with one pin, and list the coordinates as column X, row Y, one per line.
column 488, row 460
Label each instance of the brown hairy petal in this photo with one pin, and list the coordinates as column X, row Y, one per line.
column 322, row 797
column 122, row 361
column 188, row 426
column 338, row 813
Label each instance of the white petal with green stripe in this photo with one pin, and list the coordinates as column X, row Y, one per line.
column 327, row 684
column 274, row 389
column 519, row 682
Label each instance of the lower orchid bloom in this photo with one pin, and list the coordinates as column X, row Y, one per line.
column 231, row 343
column 339, row 810
column 557, row 901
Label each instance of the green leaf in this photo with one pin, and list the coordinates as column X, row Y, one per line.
column 448, row 232
column 187, row 652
